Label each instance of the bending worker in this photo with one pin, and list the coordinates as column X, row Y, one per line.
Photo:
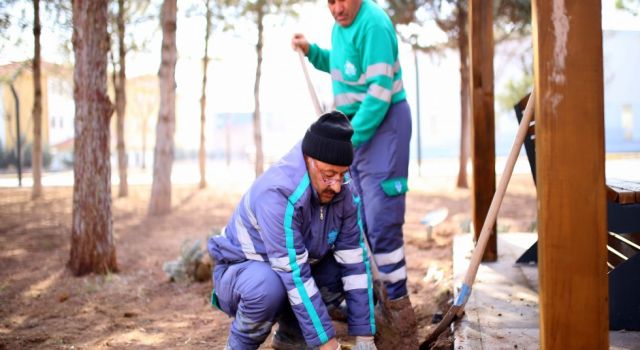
column 367, row 87
column 294, row 247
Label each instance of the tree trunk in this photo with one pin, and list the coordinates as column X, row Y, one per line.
column 463, row 46
column 160, row 202
column 36, row 155
column 92, row 245
column 16, row 100
column 121, row 103
column 257, row 130
column 145, row 126
column 203, row 100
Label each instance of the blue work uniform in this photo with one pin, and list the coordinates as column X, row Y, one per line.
column 281, row 248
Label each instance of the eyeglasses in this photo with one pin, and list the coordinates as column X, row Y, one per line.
column 343, row 179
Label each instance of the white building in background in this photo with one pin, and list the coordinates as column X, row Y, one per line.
column 61, row 110
column 621, row 51
column 440, row 104
column 57, row 106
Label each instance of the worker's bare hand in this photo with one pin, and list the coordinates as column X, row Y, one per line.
column 332, row 344
column 299, row 42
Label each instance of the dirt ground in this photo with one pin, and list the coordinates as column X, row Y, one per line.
column 42, row 306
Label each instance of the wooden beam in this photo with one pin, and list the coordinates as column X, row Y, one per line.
column 483, row 154
column 571, row 183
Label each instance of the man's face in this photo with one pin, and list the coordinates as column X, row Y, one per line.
column 344, row 11
column 326, row 179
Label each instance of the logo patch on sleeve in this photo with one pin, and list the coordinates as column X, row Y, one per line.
column 349, row 69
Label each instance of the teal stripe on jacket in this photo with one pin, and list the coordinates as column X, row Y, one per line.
column 288, row 218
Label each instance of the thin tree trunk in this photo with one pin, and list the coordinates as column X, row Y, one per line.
column 463, row 46
column 203, row 100
column 16, row 100
column 160, row 202
column 257, row 130
column 121, row 103
column 36, row 155
column 92, row 245
column 145, row 126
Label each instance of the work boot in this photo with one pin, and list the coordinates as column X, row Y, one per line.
column 285, row 341
column 288, row 336
column 396, row 326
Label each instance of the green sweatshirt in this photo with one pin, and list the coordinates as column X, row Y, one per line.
column 364, row 68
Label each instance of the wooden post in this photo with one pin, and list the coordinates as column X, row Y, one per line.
column 483, row 152
column 571, row 184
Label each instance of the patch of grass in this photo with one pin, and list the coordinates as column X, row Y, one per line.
column 110, row 277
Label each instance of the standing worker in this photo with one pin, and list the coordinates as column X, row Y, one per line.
column 294, row 247
column 367, row 87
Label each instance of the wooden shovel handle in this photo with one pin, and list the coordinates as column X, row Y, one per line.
column 312, row 91
column 490, row 220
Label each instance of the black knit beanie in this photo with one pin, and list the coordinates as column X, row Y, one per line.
column 328, row 139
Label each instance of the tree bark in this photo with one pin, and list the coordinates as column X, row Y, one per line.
column 121, row 103
column 36, row 155
column 160, row 202
column 257, row 130
column 92, row 245
column 145, row 126
column 463, row 47
column 203, row 99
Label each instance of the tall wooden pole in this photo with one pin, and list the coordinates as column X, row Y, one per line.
column 463, row 47
column 483, row 152
column 570, row 168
